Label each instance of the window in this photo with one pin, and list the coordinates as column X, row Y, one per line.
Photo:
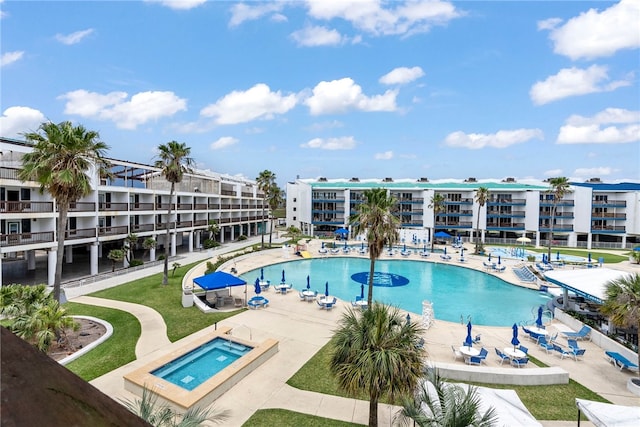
column 25, row 194
column 294, row 208
column 294, row 218
column 294, row 200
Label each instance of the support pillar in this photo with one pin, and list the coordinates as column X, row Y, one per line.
column 191, row 241
column 99, row 250
column 31, row 260
column 152, row 254
column 93, row 256
column 537, row 239
column 68, row 254
column 51, row 267
column 589, row 240
column 0, row 271
column 172, row 251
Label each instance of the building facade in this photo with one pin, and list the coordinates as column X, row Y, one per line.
column 590, row 215
column 134, row 200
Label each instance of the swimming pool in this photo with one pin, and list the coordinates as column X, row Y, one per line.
column 456, row 293
column 200, row 364
column 521, row 253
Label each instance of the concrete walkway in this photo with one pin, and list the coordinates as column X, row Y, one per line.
column 302, row 329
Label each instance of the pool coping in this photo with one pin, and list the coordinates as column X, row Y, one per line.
column 210, row 390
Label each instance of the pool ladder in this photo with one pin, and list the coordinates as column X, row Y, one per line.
column 462, row 322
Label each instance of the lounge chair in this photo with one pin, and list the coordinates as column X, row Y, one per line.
column 542, row 342
column 420, row 343
column 561, row 351
column 577, row 352
column 483, row 354
column 523, row 349
column 456, row 353
column 499, row 268
column 620, row 361
column 582, row 334
column 424, row 254
column 502, row 356
column 301, row 295
column 519, row 363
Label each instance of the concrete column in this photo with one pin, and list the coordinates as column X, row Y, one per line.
column 191, row 241
column 565, row 299
column 0, row 271
column 537, row 238
column 221, row 235
column 51, row 267
column 93, row 256
column 68, row 254
column 99, row 250
column 589, row 240
column 172, row 251
column 152, row 254
column 198, row 239
column 31, row 260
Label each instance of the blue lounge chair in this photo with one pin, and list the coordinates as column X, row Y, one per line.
column 582, row 334
column 620, row 361
column 523, row 349
column 519, row 363
column 502, row 356
column 572, row 343
column 561, row 351
column 577, row 352
column 483, row 353
column 542, row 342
column 473, row 360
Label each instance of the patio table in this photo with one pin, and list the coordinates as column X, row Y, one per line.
column 469, row 351
column 513, row 353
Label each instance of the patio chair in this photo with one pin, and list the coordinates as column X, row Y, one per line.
column 502, row 356
column 301, row 295
column 542, row 342
column 577, row 352
column 573, row 343
column 620, row 361
column 456, row 353
column 483, row 354
column 473, row 360
column 561, row 351
column 553, row 337
column 519, row 363
column 582, row 334
column 420, row 344
column 523, row 349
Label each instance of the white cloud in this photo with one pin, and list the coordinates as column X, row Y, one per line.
column 342, row 143
column 179, row 4
column 73, row 38
column 401, row 75
column 318, row 127
column 500, row 139
column 141, row 108
column 259, row 102
column 553, row 172
column 242, row 12
column 591, row 172
column 17, row 120
column 224, row 142
column 317, row 36
column 370, row 16
column 624, row 127
column 549, row 24
column 339, row 96
column 11, row 57
column 387, row 155
column 572, row 82
column 595, row 34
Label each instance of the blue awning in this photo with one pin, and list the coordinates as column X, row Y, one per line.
column 218, row 280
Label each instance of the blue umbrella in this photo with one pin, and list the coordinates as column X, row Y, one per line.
column 589, row 256
column 539, row 319
column 468, row 341
column 408, row 319
column 404, row 248
column 558, row 256
column 326, row 289
column 445, row 250
column 283, row 280
column 489, row 256
column 362, row 246
column 322, row 245
column 262, row 274
column 637, row 248
column 499, row 259
column 345, row 244
column 257, row 286
column 515, row 340
column 308, row 284
column 362, row 291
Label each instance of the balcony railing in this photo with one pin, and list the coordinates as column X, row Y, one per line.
column 26, row 206
column 9, row 173
column 608, row 215
column 228, row 193
column 200, row 206
column 110, row 207
column 184, row 206
column 113, row 231
column 26, row 238
column 610, row 203
column 80, row 233
column 214, row 206
column 513, row 225
column 141, row 206
column 558, row 228
column 200, row 222
column 82, row 207
column 506, row 202
column 136, row 228
column 605, row 228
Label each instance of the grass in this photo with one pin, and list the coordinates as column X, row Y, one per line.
column 116, row 351
column 284, row 418
column 166, row 300
column 545, row 402
column 608, row 257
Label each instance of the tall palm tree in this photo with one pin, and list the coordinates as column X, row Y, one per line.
column 482, row 195
column 558, row 187
column 174, row 162
column 274, row 200
column 622, row 302
column 377, row 352
column 438, row 206
column 61, row 160
column 445, row 405
column 376, row 219
column 265, row 180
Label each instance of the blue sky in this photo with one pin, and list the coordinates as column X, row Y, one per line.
column 364, row 89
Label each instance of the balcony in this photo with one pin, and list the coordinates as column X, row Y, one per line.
column 200, row 206
column 80, row 233
column 558, row 228
column 112, row 207
column 506, row 202
column 82, row 207
column 465, row 201
column 561, row 202
column 505, row 226
column 141, row 206
column 609, row 203
column 608, row 215
column 228, row 192
column 25, row 206
column 498, row 214
column 200, row 223
column 26, row 238
column 184, row 206
column 113, row 231
column 606, row 229
column 136, row 228
column 558, row 215
column 214, row 206
column 9, row 173
column 419, row 200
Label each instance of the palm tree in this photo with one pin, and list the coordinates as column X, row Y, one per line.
column 438, row 206
column 622, row 303
column 174, row 160
column 162, row 415
column 274, row 200
column 445, row 405
column 62, row 156
column 558, row 188
column 129, row 242
column 148, row 244
column 482, row 195
column 265, row 180
column 377, row 352
column 375, row 218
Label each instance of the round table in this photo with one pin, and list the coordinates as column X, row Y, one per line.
column 469, row 351
column 537, row 330
column 513, row 353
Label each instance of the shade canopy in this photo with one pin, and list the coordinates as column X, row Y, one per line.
column 218, row 280
column 606, row 414
column 342, row 231
column 442, row 234
column 588, row 283
column 523, row 239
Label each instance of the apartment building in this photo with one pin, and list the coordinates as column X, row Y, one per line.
column 134, row 199
column 593, row 214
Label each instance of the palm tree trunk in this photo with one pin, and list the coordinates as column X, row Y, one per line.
column 62, row 228
column 373, row 411
column 550, row 238
column 372, row 266
column 167, row 243
column 433, row 233
column 270, row 232
column 478, row 233
column 262, row 227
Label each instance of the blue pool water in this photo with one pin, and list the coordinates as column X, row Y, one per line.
column 200, row 364
column 455, row 292
column 519, row 253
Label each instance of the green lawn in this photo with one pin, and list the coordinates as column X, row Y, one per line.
column 284, row 418
column 116, row 351
column 595, row 255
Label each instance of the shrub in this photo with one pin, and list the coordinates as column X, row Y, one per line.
column 210, row 243
column 531, row 258
column 242, row 237
column 135, row 262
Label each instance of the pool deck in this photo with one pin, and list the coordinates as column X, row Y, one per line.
column 302, row 329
